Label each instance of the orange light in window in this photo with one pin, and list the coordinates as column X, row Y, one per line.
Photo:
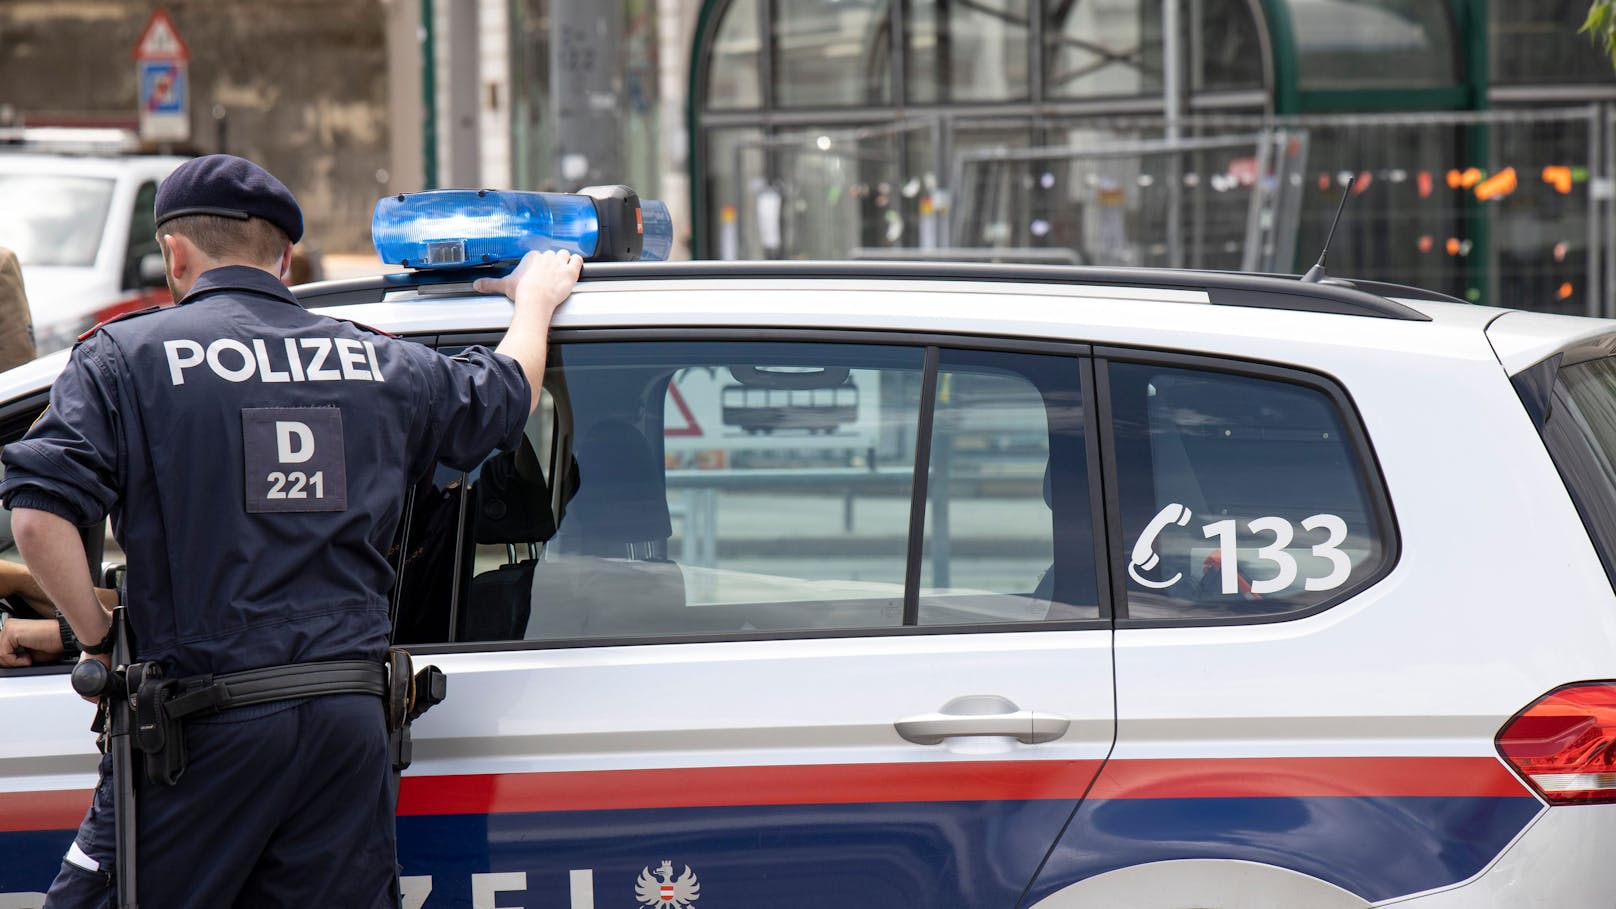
column 1470, row 177
column 1455, row 179
column 1559, row 177
column 1565, row 291
column 1426, row 243
column 1498, row 185
column 1453, row 246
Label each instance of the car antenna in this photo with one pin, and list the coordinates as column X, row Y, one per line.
column 1316, row 273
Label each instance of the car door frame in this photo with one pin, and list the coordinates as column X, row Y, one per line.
column 471, row 660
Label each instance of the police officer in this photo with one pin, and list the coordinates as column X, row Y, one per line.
column 253, row 458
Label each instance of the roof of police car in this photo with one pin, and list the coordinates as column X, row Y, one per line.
column 1218, row 288
column 1161, row 308
column 1103, row 305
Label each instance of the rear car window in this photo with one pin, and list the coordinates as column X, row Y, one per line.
column 1241, row 496
column 1579, row 429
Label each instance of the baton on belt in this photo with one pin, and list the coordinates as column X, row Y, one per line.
column 115, row 688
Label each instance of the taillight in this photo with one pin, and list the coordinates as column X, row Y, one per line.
column 1565, row 744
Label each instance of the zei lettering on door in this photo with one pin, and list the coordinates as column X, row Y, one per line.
column 293, row 459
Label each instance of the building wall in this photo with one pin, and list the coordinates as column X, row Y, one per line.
column 301, row 86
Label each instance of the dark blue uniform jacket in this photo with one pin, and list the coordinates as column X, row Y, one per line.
column 254, row 458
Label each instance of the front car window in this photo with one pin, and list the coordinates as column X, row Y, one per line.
column 1241, row 496
column 742, row 488
column 53, row 220
column 730, row 488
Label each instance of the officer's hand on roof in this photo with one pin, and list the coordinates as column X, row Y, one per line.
column 541, row 280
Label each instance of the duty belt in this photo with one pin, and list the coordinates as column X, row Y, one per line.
column 161, row 705
column 205, row 694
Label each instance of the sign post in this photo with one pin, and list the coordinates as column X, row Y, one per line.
column 160, row 70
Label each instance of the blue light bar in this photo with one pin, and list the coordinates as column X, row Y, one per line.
column 461, row 228
column 658, row 231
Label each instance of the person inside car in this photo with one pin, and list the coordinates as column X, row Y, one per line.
column 32, row 632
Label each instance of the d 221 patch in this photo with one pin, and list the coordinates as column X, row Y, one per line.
column 293, row 459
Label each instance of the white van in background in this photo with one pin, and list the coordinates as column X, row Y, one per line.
column 76, row 208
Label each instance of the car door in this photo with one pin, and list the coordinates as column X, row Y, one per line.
column 1273, row 734
column 767, row 618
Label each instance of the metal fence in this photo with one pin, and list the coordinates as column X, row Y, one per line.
column 1508, row 207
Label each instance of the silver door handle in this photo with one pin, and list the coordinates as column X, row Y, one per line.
column 983, row 714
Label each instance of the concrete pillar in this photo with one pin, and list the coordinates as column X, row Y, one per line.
column 455, row 32
column 586, row 92
column 494, row 105
column 404, row 108
column 676, row 23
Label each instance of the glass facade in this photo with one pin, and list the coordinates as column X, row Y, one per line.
column 830, row 53
column 1396, row 43
column 1228, row 46
column 1187, row 133
column 1535, row 42
column 580, row 115
column 1102, row 48
column 966, row 51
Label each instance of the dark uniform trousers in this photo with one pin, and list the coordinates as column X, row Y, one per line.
column 299, row 785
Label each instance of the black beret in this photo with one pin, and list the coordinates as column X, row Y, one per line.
column 230, row 187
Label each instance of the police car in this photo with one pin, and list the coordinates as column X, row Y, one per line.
column 78, row 214
column 885, row 584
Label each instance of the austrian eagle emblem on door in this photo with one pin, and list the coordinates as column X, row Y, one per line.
column 661, row 890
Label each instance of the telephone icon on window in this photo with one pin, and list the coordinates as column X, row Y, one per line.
column 1144, row 556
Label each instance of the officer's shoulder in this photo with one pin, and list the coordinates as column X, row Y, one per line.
column 365, row 328
column 121, row 317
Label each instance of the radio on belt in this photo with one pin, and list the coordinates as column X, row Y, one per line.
column 461, row 228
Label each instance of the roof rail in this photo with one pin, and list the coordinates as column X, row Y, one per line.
column 1222, row 288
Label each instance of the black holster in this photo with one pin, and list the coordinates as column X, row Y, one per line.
column 158, row 735
column 409, row 694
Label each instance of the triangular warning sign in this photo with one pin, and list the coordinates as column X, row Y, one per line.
column 691, row 429
column 161, row 40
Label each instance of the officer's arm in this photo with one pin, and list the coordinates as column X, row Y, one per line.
column 54, row 551
column 539, row 284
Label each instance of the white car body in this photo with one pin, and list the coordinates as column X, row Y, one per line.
column 1342, row 756
column 81, row 263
